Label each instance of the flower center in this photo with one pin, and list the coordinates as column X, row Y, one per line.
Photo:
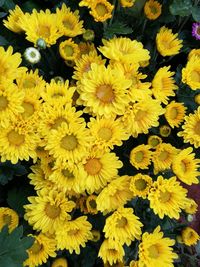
column 57, row 95
column 93, row 166
column 198, row 30
column 163, row 155
column 68, row 24
column 105, row 93
column 153, row 251
column 121, row 222
column 43, row 31
column 154, row 142
column 69, row 142
column 67, row 174
column 153, row 9
column 173, row 113
column 73, row 232
column 36, row 247
column 195, row 75
column 139, row 156
column 52, row 211
column 3, row 103
column 197, row 128
column 93, row 204
column 7, row 219
column 101, row 10
column 69, row 51
column 14, row 138
column 140, row 115
column 57, row 123
column 28, row 110
column 165, row 196
column 29, row 83
column 105, row 133
column 140, row 184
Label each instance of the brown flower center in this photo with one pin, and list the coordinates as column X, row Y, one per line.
column 105, row 133
column 28, row 110
column 69, row 51
column 43, row 31
column 153, row 251
column 173, row 113
column 163, row 155
column 140, row 184
column 121, row 222
column 105, row 93
column 93, row 204
column 140, row 115
column 69, row 142
column 67, row 174
column 57, row 123
column 52, row 211
column 93, row 166
column 36, row 247
column 101, row 10
column 14, row 138
column 7, row 219
column 165, row 196
column 29, row 83
column 139, row 156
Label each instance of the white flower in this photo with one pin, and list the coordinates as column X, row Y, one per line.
column 32, row 55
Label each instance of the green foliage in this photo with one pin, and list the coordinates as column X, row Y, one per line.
column 8, row 171
column 13, row 247
column 116, row 28
column 196, row 13
column 181, row 7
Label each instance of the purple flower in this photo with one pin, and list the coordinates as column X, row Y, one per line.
column 196, row 30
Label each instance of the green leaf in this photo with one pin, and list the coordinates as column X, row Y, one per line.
column 196, row 13
column 8, row 170
column 116, row 28
column 3, row 14
column 8, row 5
column 13, row 247
column 2, row 2
column 3, row 41
column 30, row 5
column 181, row 7
column 136, row 10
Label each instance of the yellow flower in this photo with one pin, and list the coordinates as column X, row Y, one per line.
column 175, row 113
column 12, row 20
column 114, row 195
column 167, row 197
column 123, row 226
column 48, row 210
column 154, row 141
column 42, row 248
column 165, row 130
column 185, row 166
column 194, row 52
column 191, row 206
column 140, row 157
column 111, row 252
column 69, row 22
column 124, row 50
column 74, row 234
column 191, row 73
column 163, row 84
column 191, row 129
column 152, row 9
column 8, row 217
column 167, row 43
column 156, row 250
column 127, row 3
column 189, row 236
column 60, row 262
column 42, row 25
column 101, row 10
column 104, row 91
column 140, row 185
column 69, row 50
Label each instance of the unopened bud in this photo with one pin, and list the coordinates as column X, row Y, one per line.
column 41, row 43
column 88, row 35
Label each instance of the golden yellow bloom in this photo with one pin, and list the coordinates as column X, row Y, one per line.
column 111, row 252
column 191, row 206
column 154, row 141
column 124, row 50
column 48, row 210
column 123, row 226
column 167, row 43
column 175, row 113
column 42, row 248
column 191, row 129
column 42, row 25
column 155, row 250
column 189, row 236
column 185, row 166
column 69, row 22
column 165, row 130
column 140, row 157
column 191, row 73
column 69, row 50
column 12, row 20
column 74, row 234
column 60, row 262
column 167, row 197
column 194, row 52
column 8, row 217
column 127, row 3
column 152, row 9
column 101, row 10
column 91, row 204
column 163, row 84
column 140, row 185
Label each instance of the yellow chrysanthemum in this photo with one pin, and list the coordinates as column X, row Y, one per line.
column 167, row 197
column 91, row 204
column 123, row 226
column 191, row 73
column 140, row 117
column 60, row 262
column 99, row 168
column 9, row 63
column 140, row 185
column 163, row 157
column 101, row 10
column 140, row 157
column 107, row 132
column 163, row 85
column 191, row 129
column 127, row 3
column 156, row 250
column 194, row 52
column 104, row 91
column 42, row 25
column 48, row 210
column 111, row 252
column 124, row 50
column 47, row 162
column 42, row 248
column 189, row 236
column 69, row 50
column 12, row 20
column 191, row 206
column 185, row 166
column 175, row 113
column 165, row 130
column 167, row 43
column 69, row 22
column 69, row 142
column 152, row 9
column 114, row 195
column 154, row 141
column 74, row 234
column 8, row 217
